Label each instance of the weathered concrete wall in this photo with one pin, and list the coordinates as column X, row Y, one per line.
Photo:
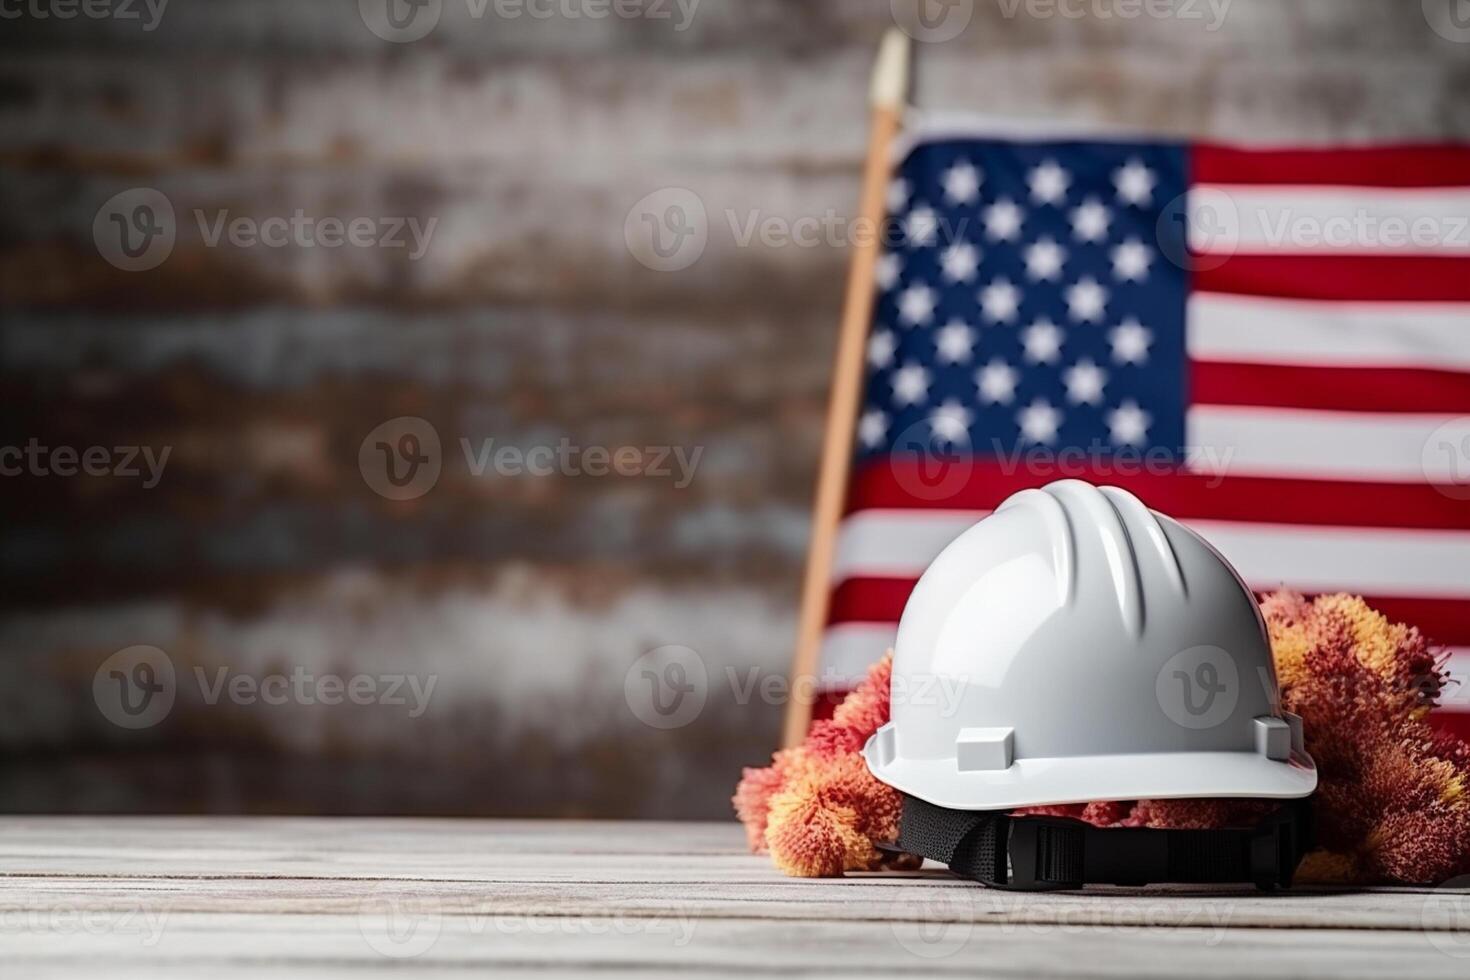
column 525, row 320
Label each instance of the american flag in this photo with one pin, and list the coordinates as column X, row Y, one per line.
column 1270, row 345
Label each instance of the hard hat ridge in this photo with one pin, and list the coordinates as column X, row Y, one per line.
column 1129, row 533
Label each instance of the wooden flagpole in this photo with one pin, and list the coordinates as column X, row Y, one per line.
column 887, row 100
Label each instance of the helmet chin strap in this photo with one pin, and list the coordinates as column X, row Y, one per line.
column 1051, row 853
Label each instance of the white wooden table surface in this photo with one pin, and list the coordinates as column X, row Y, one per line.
column 195, row 897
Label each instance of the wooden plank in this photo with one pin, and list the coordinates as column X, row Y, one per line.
column 663, row 887
column 566, row 122
column 495, row 29
column 581, row 748
column 613, row 359
column 288, row 397
column 313, row 384
column 577, row 868
column 475, row 240
column 194, row 945
column 321, row 897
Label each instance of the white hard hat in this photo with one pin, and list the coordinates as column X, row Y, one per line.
column 1076, row 646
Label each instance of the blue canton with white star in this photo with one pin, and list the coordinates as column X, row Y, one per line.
column 1024, row 301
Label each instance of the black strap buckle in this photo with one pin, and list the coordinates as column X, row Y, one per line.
column 1053, row 853
column 1047, row 854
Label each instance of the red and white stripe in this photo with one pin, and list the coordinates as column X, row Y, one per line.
column 1329, row 398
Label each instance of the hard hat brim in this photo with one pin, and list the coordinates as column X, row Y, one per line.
column 1084, row 779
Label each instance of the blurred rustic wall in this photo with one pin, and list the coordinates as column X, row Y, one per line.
column 263, row 548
